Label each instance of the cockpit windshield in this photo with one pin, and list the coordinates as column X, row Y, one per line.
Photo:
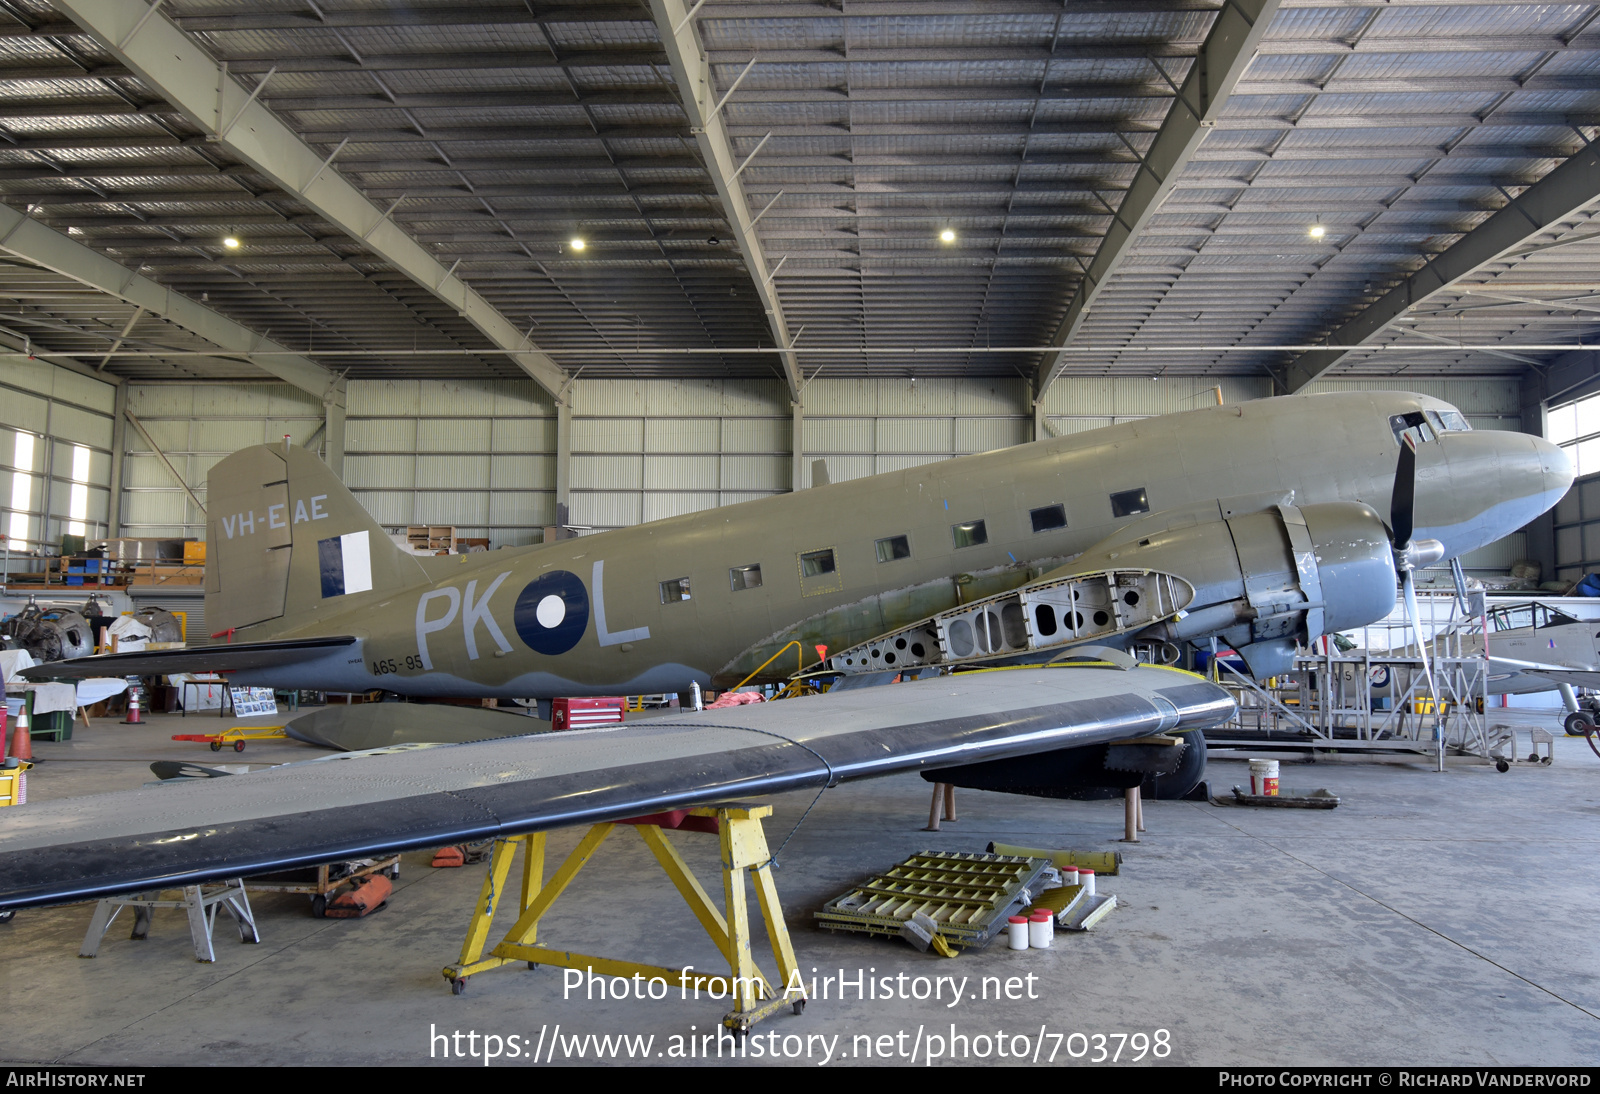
column 1516, row 617
column 1424, row 425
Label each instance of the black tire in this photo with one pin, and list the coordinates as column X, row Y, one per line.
column 1191, row 769
column 319, row 906
column 457, row 986
column 1578, row 724
column 1501, row 766
column 238, row 746
column 8, row 915
column 216, row 746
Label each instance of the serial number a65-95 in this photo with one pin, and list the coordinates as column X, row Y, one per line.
column 411, row 662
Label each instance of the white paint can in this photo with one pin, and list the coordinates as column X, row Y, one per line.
column 1017, row 932
column 1264, row 778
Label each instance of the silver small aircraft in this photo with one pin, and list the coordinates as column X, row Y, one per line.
column 1544, row 645
column 1257, row 523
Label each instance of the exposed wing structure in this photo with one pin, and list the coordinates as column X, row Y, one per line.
column 357, row 805
column 240, row 658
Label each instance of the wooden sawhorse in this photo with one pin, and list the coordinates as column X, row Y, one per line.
column 744, row 847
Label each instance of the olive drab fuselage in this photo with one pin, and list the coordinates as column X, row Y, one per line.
column 709, row 596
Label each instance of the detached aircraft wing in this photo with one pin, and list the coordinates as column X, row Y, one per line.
column 361, row 804
column 243, row 657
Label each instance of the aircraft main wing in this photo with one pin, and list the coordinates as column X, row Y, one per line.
column 1582, row 676
column 358, row 805
column 228, row 658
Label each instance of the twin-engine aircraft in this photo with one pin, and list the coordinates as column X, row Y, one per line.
column 1256, row 523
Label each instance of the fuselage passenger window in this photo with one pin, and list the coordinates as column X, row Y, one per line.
column 676, row 589
column 1129, row 502
column 892, row 548
column 1049, row 518
column 970, row 533
column 817, row 563
column 745, row 577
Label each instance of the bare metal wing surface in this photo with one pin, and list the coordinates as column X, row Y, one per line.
column 240, row 658
column 356, row 805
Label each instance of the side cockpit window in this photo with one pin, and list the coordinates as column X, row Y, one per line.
column 1449, row 421
column 1413, row 425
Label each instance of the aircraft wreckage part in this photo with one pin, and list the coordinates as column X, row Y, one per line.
column 356, row 806
column 1042, row 616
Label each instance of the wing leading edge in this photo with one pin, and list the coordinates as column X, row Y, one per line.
column 357, row 805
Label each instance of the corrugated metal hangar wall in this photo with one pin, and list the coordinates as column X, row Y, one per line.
column 481, row 455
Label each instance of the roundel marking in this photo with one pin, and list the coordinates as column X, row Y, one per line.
column 552, row 612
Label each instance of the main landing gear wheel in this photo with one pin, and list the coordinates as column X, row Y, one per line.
column 1579, row 724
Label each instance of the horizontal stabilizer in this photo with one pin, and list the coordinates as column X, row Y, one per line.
column 359, row 804
column 240, row 658
column 378, row 725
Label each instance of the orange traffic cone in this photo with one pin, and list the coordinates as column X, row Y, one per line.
column 22, row 739
column 133, row 706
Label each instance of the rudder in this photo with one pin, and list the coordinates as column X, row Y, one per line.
column 285, row 538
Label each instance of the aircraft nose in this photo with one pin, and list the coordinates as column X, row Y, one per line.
column 1556, row 466
column 1488, row 484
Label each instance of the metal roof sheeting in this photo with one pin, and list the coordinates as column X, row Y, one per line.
column 501, row 131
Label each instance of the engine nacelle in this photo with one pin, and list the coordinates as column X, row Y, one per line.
column 1263, row 579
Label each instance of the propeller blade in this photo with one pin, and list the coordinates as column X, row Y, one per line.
column 1404, row 497
column 1409, row 585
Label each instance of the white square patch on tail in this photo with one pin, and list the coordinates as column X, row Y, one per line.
column 357, row 553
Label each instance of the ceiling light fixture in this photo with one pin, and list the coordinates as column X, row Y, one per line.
column 948, row 235
column 576, row 243
column 1318, row 231
column 231, row 242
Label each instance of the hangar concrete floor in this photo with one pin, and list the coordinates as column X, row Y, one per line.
column 1430, row 919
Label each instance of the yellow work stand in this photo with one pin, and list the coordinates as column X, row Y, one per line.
column 744, row 847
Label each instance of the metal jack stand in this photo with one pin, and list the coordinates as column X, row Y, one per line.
column 744, row 847
column 201, row 902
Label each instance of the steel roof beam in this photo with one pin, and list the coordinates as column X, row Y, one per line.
column 1227, row 52
column 697, row 92
column 171, row 63
column 28, row 239
column 1570, row 188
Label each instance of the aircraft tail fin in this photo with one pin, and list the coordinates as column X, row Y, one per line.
column 286, row 539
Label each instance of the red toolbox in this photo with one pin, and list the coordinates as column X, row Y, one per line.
column 584, row 713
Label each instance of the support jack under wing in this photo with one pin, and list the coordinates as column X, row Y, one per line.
column 358, row 804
